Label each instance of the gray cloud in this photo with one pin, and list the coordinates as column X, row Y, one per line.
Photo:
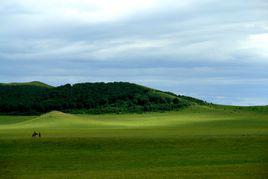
column 214, row 50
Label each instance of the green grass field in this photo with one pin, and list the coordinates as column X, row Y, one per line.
column 198, row 142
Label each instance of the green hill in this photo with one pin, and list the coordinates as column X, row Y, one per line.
column 117, row 97
column 32, row 83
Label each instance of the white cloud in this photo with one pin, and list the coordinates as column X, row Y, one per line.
column 78, row 10
column 86, row 11
column 102, row 10
column 257, row 44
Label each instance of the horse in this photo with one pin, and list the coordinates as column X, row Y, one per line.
column 35, row 134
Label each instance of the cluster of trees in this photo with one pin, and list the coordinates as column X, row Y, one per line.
column 114, row 97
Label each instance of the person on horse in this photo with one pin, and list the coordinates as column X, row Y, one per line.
column 34, row 134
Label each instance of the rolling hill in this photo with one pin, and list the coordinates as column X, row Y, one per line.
column 32, row 83
column 117, row 97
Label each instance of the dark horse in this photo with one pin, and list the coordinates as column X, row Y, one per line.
column 35, row 134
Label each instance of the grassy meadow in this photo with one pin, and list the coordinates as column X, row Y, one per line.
column 197, row 142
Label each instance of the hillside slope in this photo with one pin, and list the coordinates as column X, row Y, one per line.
column 32, row 83
column 117, row 97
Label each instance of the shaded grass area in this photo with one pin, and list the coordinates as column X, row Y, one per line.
column 119, row 156
column 194, row 143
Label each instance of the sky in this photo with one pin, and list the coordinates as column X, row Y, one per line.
column 215, row 50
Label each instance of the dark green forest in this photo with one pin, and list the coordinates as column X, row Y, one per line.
column 94, row 98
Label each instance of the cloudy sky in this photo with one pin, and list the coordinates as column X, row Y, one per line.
column 215, row 50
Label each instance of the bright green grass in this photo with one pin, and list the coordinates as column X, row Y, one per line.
column 200, row 142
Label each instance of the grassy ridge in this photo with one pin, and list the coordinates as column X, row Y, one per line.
column 32, row 83
column 208, row 142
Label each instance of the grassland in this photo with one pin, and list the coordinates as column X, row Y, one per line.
column 198, row 142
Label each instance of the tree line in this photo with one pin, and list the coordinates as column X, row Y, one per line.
column 117, row 97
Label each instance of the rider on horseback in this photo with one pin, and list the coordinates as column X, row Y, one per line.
column 35, row 134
